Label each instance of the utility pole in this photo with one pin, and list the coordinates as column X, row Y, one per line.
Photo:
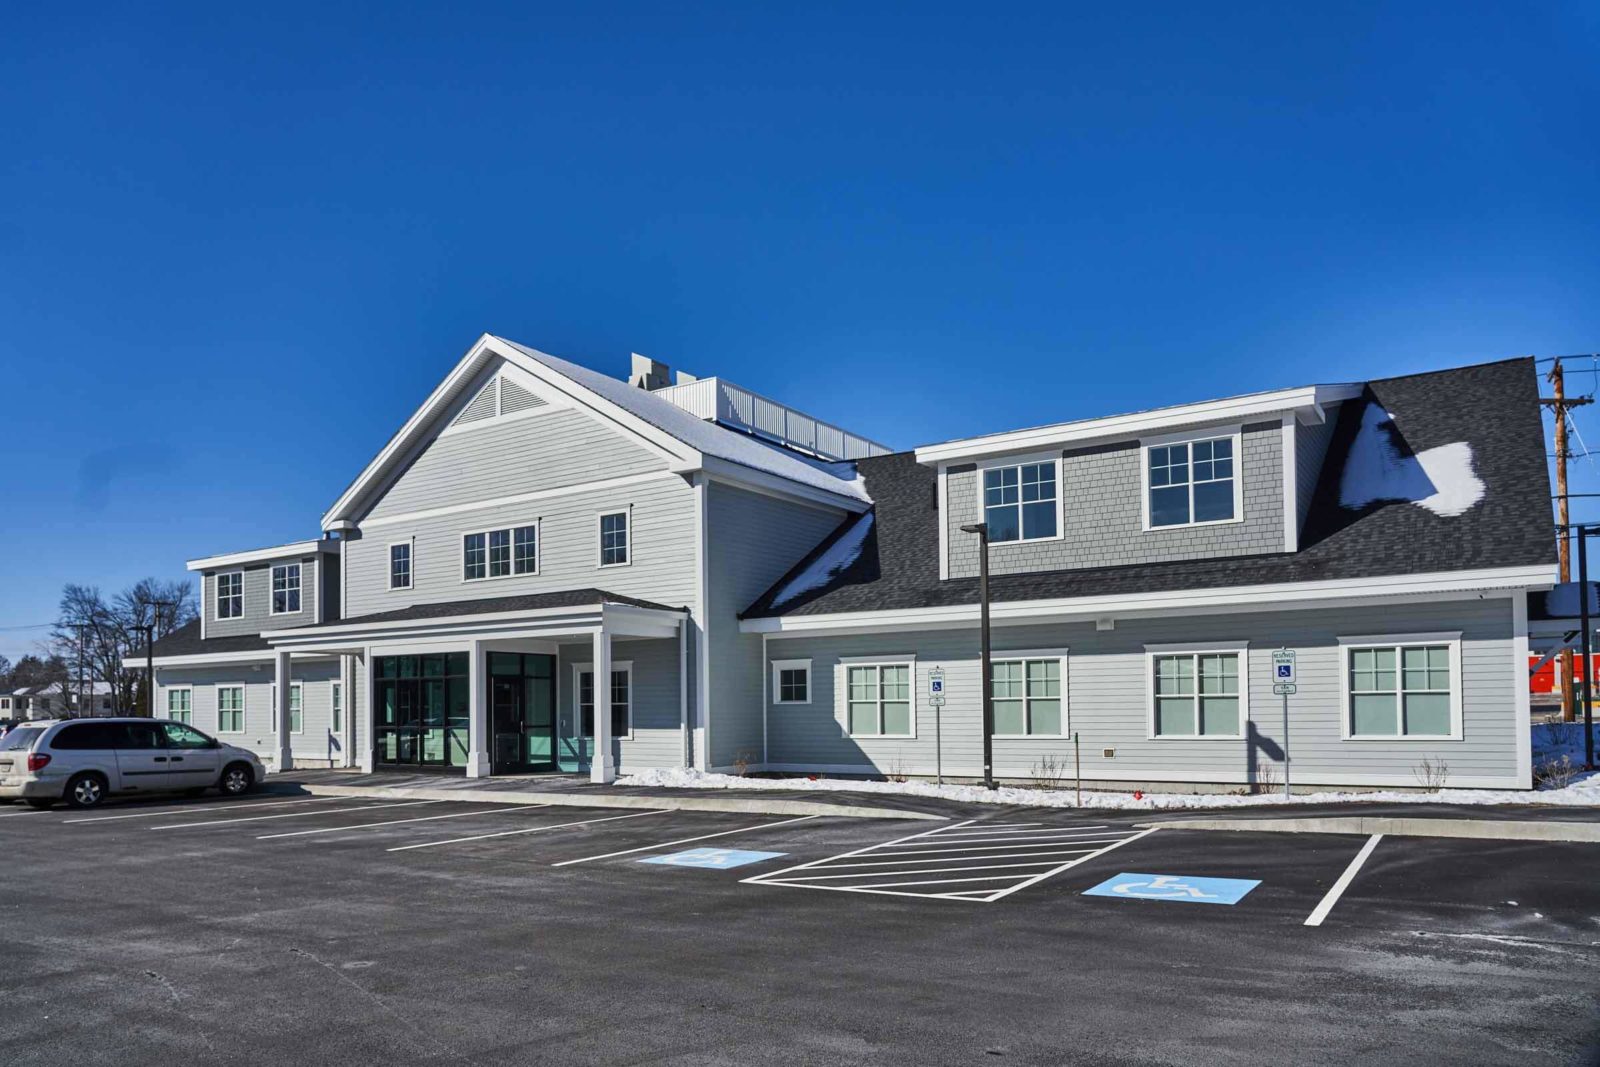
column 149, row 629
column 1559, row 404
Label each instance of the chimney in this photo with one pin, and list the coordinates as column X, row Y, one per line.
column 649, row 374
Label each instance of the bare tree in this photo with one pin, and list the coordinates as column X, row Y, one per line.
column 106, row 634
column 163, row 606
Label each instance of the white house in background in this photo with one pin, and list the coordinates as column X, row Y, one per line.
column 57, row 700
column 754, row 587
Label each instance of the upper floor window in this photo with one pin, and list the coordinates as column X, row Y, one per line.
column 614, row 539
column 400, row 565
column 285, row 588
column 1402, row 687
column 1021, row 503
column 1192, row 482
column 498, row 553
column 230, row 595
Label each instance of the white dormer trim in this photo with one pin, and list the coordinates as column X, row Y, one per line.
column 1305, row 404
column 298, row 550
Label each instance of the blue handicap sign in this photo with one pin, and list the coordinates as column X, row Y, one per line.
column 1175, row 887
column 1285, row 670
column 715, row 859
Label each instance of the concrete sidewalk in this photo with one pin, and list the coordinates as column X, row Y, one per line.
column 577, row 791
column 1495, row 827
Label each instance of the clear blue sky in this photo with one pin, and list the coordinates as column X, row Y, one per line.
column 238, row 247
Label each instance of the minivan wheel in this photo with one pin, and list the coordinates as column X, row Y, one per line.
column 236, row 779
column 86, row 791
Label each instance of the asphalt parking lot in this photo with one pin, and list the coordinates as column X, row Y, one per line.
column 340, row 930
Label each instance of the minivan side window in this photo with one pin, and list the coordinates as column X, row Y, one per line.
column 141, row 735
column 181, row 736
column 88, row 735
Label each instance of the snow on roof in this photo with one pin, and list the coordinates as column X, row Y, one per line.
column 822, row 570
column 708, row 437
column 1442, row 479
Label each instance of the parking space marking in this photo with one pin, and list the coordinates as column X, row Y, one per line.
column 399, row 822
column 900, row 867
column 30, row 811
column 530, row 830
column 1326, row 904
column 201, row 808
column 289, row 815
column 683, row 841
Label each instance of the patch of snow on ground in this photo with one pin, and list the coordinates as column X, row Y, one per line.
column 839, row 555
column 1583, row 791
column 1441, row 479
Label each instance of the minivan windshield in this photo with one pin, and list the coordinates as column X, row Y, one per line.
column 21, row 738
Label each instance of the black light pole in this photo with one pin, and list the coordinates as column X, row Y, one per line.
column 982, row 530
column 149, row 629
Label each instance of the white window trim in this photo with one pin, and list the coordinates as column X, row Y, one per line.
column 578, row 671
column 510, row 530
column 216, row 596
column 299, row 589
column 1239, row 648
column 244, row 703
column 1449, row 638
column 1008, row 656
column 169, row 690
column 1023, row 461
column 293, row 688
column 781, row 665
column 335, row 689
column 411, row 563
column 599, row 543
column 841, row 693
column 1215, row 433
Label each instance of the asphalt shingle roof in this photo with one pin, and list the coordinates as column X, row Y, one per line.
column 1493, row 407
column 186, row 641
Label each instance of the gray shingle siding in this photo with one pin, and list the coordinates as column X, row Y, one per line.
column 258, row 599
column 1103, row 512
column 1311, row 448
column 1108, row 700
column 754, row 539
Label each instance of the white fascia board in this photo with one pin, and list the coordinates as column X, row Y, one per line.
column 581, row 619
column 679, row 456
column 204, row 659
column 1305, row 403
column 1281, row 596
column 721, row 470
column 297, row 550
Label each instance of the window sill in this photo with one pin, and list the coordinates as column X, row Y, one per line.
column 1030, row 737
column 1408, row 738
column 1193, row 525
column 1195, row 737
column 791, row 703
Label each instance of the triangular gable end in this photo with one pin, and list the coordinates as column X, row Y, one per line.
column 508, row 392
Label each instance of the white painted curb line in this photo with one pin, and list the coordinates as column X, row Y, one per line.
column 1483, row 829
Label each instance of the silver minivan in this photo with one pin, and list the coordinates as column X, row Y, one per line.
column 83, row 761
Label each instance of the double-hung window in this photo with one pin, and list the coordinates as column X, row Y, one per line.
column 230, row 595
column 296, row 715
column 1198, row 694
column 791, row 681
column 336, row 707
column 1022, row 502
column 621, row 699
column 230, row 709
column 878, row 699
column 400, row 565
column 499, row 553
column 1029, row 696
column 286, row 589
column 1404, row 687
column 180, row 705
column 614, row 539
column 1192, row 482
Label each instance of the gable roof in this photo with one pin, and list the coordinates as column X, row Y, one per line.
column 688, row 443
column 1492, row 407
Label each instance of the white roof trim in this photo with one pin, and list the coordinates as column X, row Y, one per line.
column 298, row 549
column 1279, row 596
column 617, row 617
column 203, row 659
column 1307, row 402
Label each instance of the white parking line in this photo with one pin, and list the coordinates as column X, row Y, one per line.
column 1333, row 895
column 201, row 808
column 900, row 867
column 530, row 830
column 30, row 811
column 683, row 841
column 289, row 815
column 398, row 822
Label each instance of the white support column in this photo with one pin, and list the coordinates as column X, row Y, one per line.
column 478, row 711
column 365, row 737
column 347, row 696
column 280, row 714
column 602, row 767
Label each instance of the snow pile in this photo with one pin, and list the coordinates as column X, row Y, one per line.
column 1583, row 791
column 822, row 570
column 1441, row 479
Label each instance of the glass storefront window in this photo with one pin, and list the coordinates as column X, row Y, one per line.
column 421, row 710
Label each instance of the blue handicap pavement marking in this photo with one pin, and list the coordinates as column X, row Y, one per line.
column 1176, row 887
column 716, row 859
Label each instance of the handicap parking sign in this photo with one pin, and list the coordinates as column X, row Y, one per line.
column 715, row 859
column 1175, row 887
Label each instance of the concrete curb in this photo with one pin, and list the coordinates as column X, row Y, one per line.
column 740, row 804
column 1485, row 829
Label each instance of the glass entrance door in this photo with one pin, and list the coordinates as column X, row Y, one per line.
column 522, row 720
